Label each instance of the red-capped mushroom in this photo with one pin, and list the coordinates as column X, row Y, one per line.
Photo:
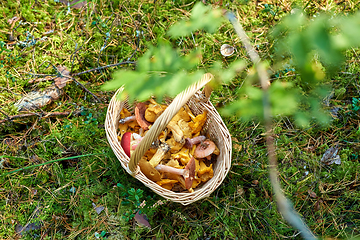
column 188, row 173
column 129, row 142
column 190, row 142
column 125, row 143
column 140, row 116
column 205, row 149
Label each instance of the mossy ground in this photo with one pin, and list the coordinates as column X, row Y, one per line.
column 61, row 195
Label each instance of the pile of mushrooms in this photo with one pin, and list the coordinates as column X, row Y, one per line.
column 181, row 159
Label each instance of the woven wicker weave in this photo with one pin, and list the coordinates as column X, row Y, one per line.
column 214, row 128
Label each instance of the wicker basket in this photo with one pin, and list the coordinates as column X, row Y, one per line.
column 214, row 128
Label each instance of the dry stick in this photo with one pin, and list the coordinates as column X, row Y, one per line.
column 284, row 205
column 103, row 67
column 50, row 114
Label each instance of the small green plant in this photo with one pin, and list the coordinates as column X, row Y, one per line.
column 269, row 8
column 101, row 235
column 355, row 104
column 133, row 199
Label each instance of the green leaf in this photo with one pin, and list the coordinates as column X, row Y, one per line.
column 284, row 98
column 160, row 72
column 225, row 75
column 302, row 119
column 350, row 31
column 202, row 18
column 248, row 106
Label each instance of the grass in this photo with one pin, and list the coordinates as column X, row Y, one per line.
column 60, row 196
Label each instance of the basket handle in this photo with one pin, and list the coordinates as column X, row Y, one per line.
column 161, row 122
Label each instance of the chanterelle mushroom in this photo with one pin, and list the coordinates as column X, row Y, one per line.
column 176, row 131
column 159, row 155
column 154, row 111
column 205, row 173
column 198, row 122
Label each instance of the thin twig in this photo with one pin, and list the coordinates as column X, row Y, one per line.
column 103, row 67
column 4, row 113
column 284, row 205
column 44, row 115
column 86, row 90
column 52, row 161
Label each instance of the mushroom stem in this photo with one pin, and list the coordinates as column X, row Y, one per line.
column 127, row 119
column 190, row 142
column 177, row 171
column 188, row 173
column 159, row 155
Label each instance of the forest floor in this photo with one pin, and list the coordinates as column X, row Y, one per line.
column 59, row 178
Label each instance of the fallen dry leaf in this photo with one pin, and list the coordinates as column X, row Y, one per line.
column 235, row 145
column 61, row 82
column 312, row 194
column 98, row 209
column 142, row 220
column 34, row 100
column 29, row 227
column 38, row 99
column 331, row 155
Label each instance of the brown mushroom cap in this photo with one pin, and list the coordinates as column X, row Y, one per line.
column 149, row 171
column 140, row 116
column 204, row 149
column 125, row 143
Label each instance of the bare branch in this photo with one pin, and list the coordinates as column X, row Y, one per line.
column 284, row 205
column 41, row 115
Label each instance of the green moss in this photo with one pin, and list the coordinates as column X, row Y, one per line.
column 66, row 190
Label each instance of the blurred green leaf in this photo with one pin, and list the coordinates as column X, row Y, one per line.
column 283, row 97
column 248, row 106
column 202, row 18
column 349, row 35
column 225, row 75
column 315, row 45
column 160, row 72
